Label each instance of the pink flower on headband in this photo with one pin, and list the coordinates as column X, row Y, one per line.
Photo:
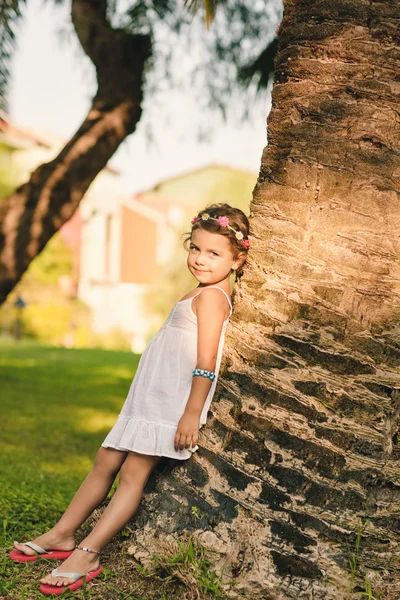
column 246, row 243
column 194, row 220
column 223, row 221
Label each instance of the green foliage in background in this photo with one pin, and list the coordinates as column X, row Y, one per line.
column 49, row 314
column 214, row 183
column 51, row 264
column 9, row 176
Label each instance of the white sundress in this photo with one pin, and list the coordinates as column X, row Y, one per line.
column 161, row 387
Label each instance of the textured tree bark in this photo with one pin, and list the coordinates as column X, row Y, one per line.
column 37, row 209
column 301, row 446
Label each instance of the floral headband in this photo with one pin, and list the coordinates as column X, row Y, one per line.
column 224, row 222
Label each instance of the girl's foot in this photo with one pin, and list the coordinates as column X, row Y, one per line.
column 52, row 540
column 80, row 561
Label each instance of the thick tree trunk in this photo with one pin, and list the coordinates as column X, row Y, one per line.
column 301, row 447
column 30, row 216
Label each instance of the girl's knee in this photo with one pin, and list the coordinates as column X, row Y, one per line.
column 137, row 468
column 108, row 461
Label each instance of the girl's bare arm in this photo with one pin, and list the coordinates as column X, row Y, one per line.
column 211, row 313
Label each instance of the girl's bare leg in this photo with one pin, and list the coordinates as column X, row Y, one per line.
column 91, row 493
column 134, row 473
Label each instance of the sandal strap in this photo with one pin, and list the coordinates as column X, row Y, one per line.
column 86, row 549
column 36, row 548
column 74, row 576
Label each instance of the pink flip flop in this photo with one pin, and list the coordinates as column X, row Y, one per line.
column 49, row 590
column 19, row 556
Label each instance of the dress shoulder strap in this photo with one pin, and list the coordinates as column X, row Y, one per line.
column 223, row 291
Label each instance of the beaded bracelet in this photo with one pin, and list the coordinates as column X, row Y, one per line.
column 203, row 373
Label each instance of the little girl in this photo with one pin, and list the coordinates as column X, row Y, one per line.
column 166, row 405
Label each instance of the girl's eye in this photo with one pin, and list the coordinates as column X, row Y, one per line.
column 214, row 253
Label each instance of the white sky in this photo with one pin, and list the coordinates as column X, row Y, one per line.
column 51, row 88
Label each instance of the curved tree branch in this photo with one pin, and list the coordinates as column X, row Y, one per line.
column 38, row 208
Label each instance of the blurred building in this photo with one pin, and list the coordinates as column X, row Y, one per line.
column 124, row 245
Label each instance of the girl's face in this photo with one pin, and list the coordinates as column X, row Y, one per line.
column 211, row 257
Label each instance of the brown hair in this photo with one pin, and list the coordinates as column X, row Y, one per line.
column 237, row 220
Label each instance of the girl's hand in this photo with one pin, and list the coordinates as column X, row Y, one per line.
column 187, row 431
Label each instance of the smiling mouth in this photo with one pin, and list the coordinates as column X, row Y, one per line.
column 198, row 270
